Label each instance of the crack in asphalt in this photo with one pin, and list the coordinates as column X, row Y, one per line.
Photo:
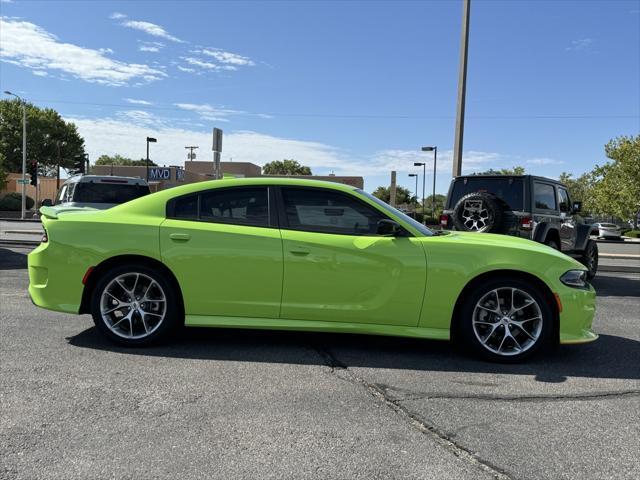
column 342, row 371
column 513, row 398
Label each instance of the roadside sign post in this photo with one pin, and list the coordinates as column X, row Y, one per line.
column 217, row 150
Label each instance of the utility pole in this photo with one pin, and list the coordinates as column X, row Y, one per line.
column 149, row 140
column 24, row 152
column 190, row 155
column 462, row 90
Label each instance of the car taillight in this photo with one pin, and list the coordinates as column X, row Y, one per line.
column 526, row 223
column 44, row 238
column 444, row 220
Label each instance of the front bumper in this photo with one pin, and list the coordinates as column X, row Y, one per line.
column 576, row 318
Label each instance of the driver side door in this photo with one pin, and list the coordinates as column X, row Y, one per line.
column 338, row 269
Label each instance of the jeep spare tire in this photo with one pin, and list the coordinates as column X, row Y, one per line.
column 477, row 212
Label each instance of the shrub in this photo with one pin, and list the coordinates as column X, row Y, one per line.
column 633, row 234
column 12, row 202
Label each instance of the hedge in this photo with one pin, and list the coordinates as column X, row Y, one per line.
column 12, row 202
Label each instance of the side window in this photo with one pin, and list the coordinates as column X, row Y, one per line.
column 62, row 194
column 186, row 208
column 241, row 206
column 325, row 211
column 545, row 198
column 70, row 190
column 563, row 199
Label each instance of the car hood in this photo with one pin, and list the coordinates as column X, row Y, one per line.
column 503, row 242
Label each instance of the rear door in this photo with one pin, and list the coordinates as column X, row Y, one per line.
column 225, row 249
column 337, row 269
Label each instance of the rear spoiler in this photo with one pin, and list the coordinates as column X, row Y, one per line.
column 53, row 212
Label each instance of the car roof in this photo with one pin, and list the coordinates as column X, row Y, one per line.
column 267, row 180
column 106, row 178
column 535, row 177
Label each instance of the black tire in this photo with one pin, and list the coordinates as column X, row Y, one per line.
column 477, row 212
column 589, row 258
column 550, row 242
column 172, row 317
column 470, row 337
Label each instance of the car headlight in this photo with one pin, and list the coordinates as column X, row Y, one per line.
column 575, row 279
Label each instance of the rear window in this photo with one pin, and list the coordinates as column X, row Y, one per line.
column 91, row 192
column 508, row 189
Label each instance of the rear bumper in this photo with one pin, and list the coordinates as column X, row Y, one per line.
column 55, row 280
column 608, row 234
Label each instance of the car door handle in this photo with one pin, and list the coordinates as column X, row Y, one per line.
column 179, row 237
column 298, row 250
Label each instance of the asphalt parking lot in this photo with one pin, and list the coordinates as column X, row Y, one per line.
column 248, row 404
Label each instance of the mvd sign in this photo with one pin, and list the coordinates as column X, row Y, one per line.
column 159, row 173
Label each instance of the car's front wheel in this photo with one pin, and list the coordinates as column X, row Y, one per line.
column 135, row 305
column 505, row 320
column 589, row 258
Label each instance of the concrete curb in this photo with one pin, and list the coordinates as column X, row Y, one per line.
column 618, row 268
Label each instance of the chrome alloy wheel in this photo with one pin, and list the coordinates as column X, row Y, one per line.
column 133, row 305
column 475, row 216
column 507, row 321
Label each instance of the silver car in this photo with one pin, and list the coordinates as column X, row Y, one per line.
column 606, row 230
column 100, row 192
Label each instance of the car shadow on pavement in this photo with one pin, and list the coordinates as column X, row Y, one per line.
column 609, row 357
column 10, row 260
column 611, row 286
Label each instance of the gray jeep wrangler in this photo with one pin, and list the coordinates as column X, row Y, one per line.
column 526, row 206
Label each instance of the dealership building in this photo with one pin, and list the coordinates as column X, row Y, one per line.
column 198, row 171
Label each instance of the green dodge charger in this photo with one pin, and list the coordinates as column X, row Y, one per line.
column 291, row 254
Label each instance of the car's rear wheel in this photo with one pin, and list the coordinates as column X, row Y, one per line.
column 550, row 242
column 505, row 320
column 135, row 305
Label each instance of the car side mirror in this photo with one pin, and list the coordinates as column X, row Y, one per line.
column 388, row 228
column 577, row 207
column 47, row 202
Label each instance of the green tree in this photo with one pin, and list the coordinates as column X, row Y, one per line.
column 517, row 170
column 580, row 188
column 48, row 136
column 3, row 172
column 285, row 167
column 120, row 160
column 438, row 204
column 616, row 184
column 403, row 195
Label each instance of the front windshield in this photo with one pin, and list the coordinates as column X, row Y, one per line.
column 394, row 211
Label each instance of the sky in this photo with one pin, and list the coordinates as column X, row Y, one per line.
column 349, row 87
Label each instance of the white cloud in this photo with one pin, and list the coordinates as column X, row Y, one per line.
column 150, row 46
column 29, row 46
column 544, row 161
column 105, row 50
column 580, row 44
column 137, row 102
column 208, row 112
column 151, row 29
column 40, row 73
column 196, row 62
column 117, row 16
column 186, row 69
column 227, row 57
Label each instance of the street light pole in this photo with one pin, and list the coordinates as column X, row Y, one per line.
column 424, row 175
column 416, row 190
column 462, row 90
column 24, row 152
column 433, row 194
column 149, row 140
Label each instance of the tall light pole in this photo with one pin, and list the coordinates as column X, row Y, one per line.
column 433, row 195
column 462, row 90
column 424, row 174
column 149, row 140
column 24, row 152
column 416, row 190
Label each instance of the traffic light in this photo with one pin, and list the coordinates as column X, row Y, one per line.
column 33, row 171
column 79, row 164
